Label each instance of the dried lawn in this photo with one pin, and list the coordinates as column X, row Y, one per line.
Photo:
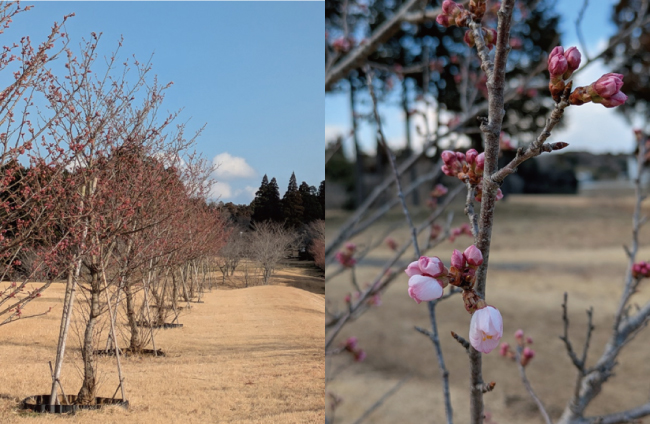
column 543, row 246
column 248, row 355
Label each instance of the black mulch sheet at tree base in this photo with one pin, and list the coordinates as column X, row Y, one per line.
column 130, row 352
column 164, row 326
column 41, row 403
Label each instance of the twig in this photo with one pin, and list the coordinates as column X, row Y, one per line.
column 382, row 399
column 464, row 343
column 581, row 15
column 391, row 158
column 565, row 338
column 529, row 388
column 435, row 339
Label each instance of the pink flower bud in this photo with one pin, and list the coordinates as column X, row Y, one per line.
column 615, row 100
column 447, row 156
column 519, row 335
column 529, row 340
column 490, row 35
column 470, row 156
column 359, row 355
column 450, row 7
column 431, row 266
column 557, row 63
column 608, row 85
column 469, row 38
column 473, row 255
column 503, row 350
column 457, row 259
column 485, row 329
column 480, row 161
column 391, row 243
column 351, row 343
column 527, row 355
column 572, row 56
column 443, row 20
column 499, row 194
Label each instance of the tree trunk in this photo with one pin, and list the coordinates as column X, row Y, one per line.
column 136, row 342
column 87, row 393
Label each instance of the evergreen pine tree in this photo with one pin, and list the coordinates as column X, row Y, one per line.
column 292, row 205
column 261, row 201
column 312, row 209
column 274, row 204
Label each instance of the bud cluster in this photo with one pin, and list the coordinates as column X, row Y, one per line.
column 455, row 14
column 464, row 229
column 527, row 353
column 489, row 35
column 641, row 270
column 428, row 277
column 351, row 346
column 606, row 91
column 346, row 256
column 467, row 167
column 561, row 65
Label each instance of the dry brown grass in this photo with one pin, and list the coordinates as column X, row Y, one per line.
column 252, row 355
column 542, row 247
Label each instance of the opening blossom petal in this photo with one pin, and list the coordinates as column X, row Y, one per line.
column 424, row 289
column 486, row 329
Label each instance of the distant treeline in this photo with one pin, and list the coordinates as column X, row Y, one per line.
column 299, row 206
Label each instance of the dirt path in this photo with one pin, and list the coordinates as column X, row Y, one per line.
column 247, row 356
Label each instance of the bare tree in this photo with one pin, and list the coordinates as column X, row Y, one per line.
column 268, row 246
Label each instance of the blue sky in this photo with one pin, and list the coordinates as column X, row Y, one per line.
column 251, row 71
column 589, row 127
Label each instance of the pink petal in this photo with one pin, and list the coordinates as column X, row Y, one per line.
column 424, row 289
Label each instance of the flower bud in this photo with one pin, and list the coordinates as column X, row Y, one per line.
column 480, row 161
column 468, row 38
column 470, row 156
column 615, row 100
column 503, row 350
column 485, row 329
column 351, row 343
column 557, row 63
column 450, row 7
column 490, row 36
column 519, row 334
column 473, row 255
column 608, row 85
column 457, row 259
column 572, row 56
column 444, row 20
column 527, row 355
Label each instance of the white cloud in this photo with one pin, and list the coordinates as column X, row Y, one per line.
column 221, row 191
column 229, row 167
column 250, row 192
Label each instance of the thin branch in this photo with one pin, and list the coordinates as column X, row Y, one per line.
column 435, row 339
column 529, row 388
column 464, row 343
column 581, row 15
column 382, row 399
column 391, row 158
column 565, row 338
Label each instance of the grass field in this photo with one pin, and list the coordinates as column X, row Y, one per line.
column 543, row 246
column 246, row 355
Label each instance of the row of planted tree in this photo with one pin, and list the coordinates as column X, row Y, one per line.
column 99, row 189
